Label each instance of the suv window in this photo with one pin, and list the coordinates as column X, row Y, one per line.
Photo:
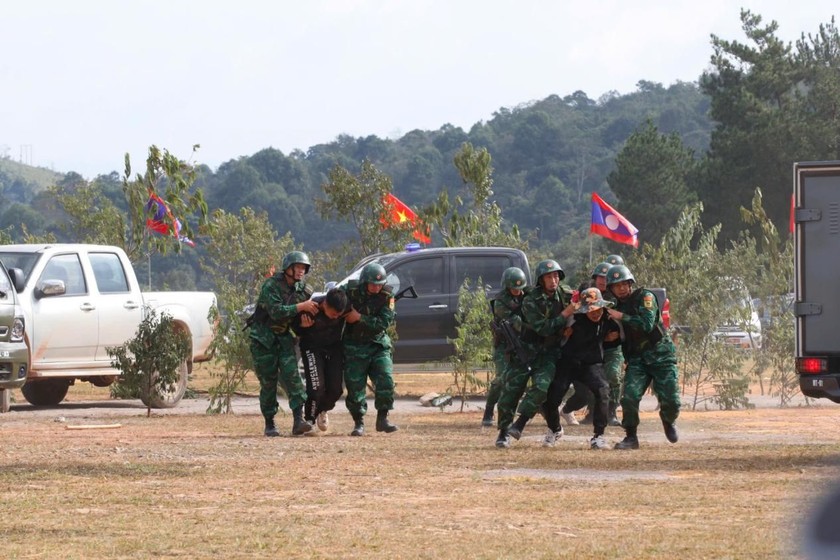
column 485, row 267
column 426, row 275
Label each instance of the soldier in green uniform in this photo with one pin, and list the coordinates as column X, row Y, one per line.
column 544, row 312
column 650, row 354
column 282, row 297
column 367, row 348
column 506, row 306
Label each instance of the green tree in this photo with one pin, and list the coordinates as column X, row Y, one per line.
column 154, row 361
column 358, row 199
column 172, row 179
column 479, row 222
column 650, row 179
column 474, row 344
column 91, row 217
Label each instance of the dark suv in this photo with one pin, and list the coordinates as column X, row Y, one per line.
column 424, row 324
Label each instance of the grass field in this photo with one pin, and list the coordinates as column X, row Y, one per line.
column 737, row 485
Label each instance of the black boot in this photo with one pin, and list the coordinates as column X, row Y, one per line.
column 359, row 426
column 383, row 424
column 503, row 441
column 515, row 430
column 300, row 426
column 630, row 441
column 670, row 432
column 487, row 420
column 613, row 419
column 270, row 428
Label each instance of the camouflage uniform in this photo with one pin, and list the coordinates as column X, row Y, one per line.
column 542, row 331
column 273, row 345
column 505, row 306
column 651, row 359
column 367, row 349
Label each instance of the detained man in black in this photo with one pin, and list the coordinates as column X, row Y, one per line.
column 323, row 355
column 582, row 359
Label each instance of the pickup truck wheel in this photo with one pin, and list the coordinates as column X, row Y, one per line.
column 168, row 399
column 5, row 400
column 45, row 392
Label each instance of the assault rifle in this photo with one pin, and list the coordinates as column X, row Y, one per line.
column 406, row 293
column 514, row 343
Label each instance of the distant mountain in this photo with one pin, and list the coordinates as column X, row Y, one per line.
column 38, row 178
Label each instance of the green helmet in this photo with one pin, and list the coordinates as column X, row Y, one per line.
column 546, row 266
column 513, row 278
column 295, row 257
column 614, row 259
column 601, row 269
column 372, row 273
column 619, row 273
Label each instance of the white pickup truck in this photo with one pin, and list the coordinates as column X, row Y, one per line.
column 77, row 301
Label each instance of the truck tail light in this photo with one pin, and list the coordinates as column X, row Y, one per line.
column 811, row 365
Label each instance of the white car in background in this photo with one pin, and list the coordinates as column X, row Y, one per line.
column 742, row 328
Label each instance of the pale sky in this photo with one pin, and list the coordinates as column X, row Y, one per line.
column 82, row 82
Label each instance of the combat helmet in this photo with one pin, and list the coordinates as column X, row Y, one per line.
column 546, row 266
column 614, row 259
column 295, row 257
column 372, row 273
column 514, row 278
column 601, row 269
column 619, row 273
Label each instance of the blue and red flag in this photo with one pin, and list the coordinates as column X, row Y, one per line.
column 162, row 221
column 607, row 222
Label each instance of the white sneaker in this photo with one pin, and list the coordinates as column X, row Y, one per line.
column 598, row 442
column 551, row 437
column 569, row 417
column 322, row 421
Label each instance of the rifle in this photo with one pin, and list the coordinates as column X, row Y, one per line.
column 522, row 355
column 406, row 292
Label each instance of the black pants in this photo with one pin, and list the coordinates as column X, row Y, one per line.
column 323, row 370
column 590, row 376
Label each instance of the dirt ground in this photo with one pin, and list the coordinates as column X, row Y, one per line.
column 95, row 478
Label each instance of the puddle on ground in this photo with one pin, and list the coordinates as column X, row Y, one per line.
column 585, row 475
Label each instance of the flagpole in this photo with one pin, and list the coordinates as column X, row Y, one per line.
column 590, row 250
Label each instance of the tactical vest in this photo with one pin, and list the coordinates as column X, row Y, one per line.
column 512, row 304
column 553, row 309
column 636, row 341
column 366, row 304
column 291, row 295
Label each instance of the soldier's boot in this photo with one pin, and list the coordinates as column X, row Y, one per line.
column 515, row 430
column 270, row 427
column 383, row 424
column 613, row 419
column 487, row 419
column 503, row 441
column 300, row 426
column 359, row 425
column 630, row 441
column 670, row 432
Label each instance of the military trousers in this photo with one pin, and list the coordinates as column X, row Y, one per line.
column 657, row 368
column 516, row 385
column 363, row 361
column 498, row 381
column 275, row 364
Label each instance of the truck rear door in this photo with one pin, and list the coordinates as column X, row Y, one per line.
column 817, row 308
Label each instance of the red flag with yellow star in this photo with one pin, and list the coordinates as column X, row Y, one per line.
column 397, row 212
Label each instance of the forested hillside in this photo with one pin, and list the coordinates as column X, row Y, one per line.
column 761, row 106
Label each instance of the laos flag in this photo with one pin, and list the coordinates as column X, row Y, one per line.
column 607, row 222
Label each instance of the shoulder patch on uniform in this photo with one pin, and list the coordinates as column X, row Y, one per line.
column 391, row 303
column 648, row 301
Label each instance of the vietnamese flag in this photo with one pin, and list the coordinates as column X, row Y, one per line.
column 607, row 222
column 397, row 212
